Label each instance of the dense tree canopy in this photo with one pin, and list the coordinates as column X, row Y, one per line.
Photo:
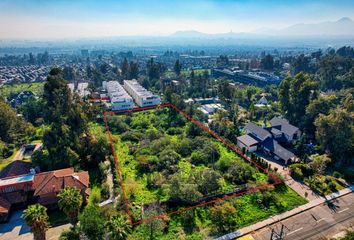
column 295, row 94
column 335, row 133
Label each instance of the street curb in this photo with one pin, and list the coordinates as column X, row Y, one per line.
column 303, row 210
column 239, row 233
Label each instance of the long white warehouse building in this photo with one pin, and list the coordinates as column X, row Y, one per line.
column 142, row 97
column 119, row 98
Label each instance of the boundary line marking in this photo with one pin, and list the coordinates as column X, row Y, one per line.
column 203, row 127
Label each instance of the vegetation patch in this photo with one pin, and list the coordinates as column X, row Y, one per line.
column 169, row 163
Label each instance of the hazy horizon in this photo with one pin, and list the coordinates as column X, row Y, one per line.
column 38, row 19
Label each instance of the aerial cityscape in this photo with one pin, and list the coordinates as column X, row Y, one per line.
column 191, row 120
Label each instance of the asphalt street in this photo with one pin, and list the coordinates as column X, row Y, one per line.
column 321, row 222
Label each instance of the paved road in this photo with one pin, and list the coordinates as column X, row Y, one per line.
column 321, row 222
column 17, row 229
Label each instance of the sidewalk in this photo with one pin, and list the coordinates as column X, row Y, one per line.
column 301, row 189
column 280, row 217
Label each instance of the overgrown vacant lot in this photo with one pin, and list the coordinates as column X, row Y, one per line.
column 168, row 163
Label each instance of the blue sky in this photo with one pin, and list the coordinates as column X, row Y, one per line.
column 89, row 18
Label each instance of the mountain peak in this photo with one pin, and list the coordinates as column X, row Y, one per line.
column 345, row 19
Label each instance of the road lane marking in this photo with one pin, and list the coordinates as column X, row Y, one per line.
column 345, row 209
column 294, row 231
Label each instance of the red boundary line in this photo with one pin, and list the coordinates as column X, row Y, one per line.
column 206, row 129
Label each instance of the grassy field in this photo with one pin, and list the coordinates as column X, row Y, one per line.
column 248, row 212
column 250, row 208
column 8, row 89
column 6, row 161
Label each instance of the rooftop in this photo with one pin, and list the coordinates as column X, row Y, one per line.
column 116, row 92
column 140, row 90
column 259, row 131
column 283, row 125
column 247, row 140
column 18, row 179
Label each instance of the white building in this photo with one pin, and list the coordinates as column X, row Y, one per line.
column 141, row 96
column 247, row 142
column 82, row 89
column 119, row 98
column 71, row 86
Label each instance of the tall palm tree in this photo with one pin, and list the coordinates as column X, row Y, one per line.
column 36, row 217
column 70, row 201
column 118, row 228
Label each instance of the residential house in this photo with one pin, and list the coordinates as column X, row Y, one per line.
column 281, row 127
column 248, row 143
column 269, row 139
column 21, row 185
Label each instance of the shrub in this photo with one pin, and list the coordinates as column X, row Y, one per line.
column 297, row 174
column 95, row 196
column 184, row 147
column 92, row 222
column 198, row 157
column 105, row 191
column 332, row 186
column 174, row 131
column 337, row 174
column 222, row 216
column 131, row 136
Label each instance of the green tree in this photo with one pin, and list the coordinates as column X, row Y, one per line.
column 177, row 67
column 222, row 216
column 70, row 201
column 71, row 234
column 92, row 222
column 13, row 129
column 32, row 110
column 183, row 191
column 125, row 68
column 57, row 97
column 118, row 228
column 208, row 181
column 267, row 62
column 224, row 91
column 335, row 133
column 319, row 163
column 301, row 64
column 153, row 69
column 134, row 70
column 316, row 107
column 294, row 96
column 152, row 229
column 36, row 218
column 68, row 122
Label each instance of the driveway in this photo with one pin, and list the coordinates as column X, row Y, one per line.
column 298, row 187
column 17, row 229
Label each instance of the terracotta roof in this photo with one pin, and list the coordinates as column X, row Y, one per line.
column 52, row 182
column 15, row 168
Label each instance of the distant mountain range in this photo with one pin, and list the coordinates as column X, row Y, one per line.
column 319, row 35
column 342, row 27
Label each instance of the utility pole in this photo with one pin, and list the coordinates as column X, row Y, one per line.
column 278, row 236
